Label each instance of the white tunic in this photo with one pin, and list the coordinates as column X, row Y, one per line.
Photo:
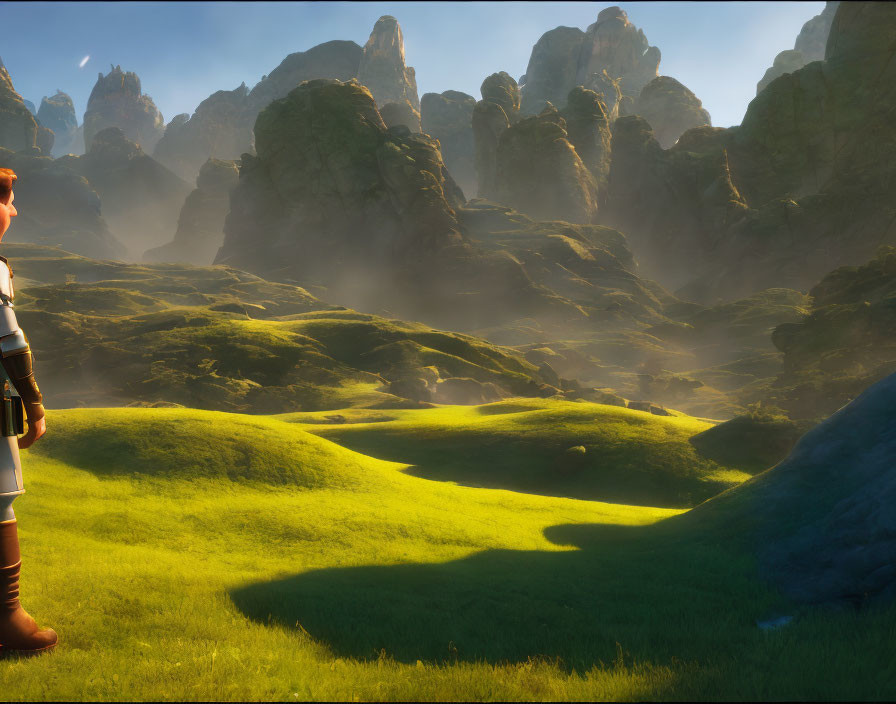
column 10, row 465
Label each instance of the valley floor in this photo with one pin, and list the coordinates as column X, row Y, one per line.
column 196, row 555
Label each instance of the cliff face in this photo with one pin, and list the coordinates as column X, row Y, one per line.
column 221, row 127
column 118, row 101
column 382, row 69
column 498, row 109
column 448, row 117
column 18, row 127
column 671, row 109
column 539, row 173
column 808, row 47
column 57, row 207
column 802, row 186
column 612, row 57
column 200, row 227
column 140, row 197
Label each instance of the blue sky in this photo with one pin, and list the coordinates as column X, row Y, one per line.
column 184, row 51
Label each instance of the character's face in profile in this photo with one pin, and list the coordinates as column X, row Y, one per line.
column 7, row 212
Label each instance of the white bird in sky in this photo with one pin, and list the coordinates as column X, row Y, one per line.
column 84, row 61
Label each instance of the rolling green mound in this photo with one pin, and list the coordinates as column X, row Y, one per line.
column 541, row 446
column 109, row 333
column 192, row 555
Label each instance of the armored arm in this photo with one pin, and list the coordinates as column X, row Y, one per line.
column 15, row 354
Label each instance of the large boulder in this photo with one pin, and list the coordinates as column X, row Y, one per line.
column 141, row 198
column 57, row 113
column 57, row 207
column 671, row 109
column 823, row 520
column 200, row 227
column 448, row 117
column 539, row 173
column 118, row 101
column 382, row 70
column 18, row 126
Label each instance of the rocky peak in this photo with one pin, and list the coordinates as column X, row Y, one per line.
column 383, row 69
column 58, row 114
column 118, row 101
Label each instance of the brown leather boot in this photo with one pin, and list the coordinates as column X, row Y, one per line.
column 18, row 631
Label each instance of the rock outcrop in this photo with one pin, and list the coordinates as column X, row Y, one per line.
column 671, row 109
column 803, row 185
column 612, row 57
column 539, row 173
column 118, row 101
column 588, row 130
column 382, row 69
column 57, row 113
column 141, row 198
column 448, row 117
column 498, row 109
column 844, row 343
column 18, row 126
column 401, row 115
column 813, row 37
column 809, row 46
column 553, row 69
column 220, row 128
column 339, row 203
column 200, row 227
column 30, row 106
column 57, row 207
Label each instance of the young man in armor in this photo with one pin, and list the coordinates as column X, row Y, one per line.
column 18, row 631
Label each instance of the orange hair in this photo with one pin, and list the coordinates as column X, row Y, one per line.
column 7, row 178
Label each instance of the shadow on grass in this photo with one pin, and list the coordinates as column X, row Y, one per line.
column 644, row 588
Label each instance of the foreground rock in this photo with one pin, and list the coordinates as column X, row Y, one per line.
column 200, row 227
column 823, row 519
column 118, row 101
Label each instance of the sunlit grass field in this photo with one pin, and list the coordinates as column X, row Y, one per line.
column 193, row 555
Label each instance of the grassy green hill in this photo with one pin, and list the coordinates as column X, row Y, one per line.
column 540, row 446
column 197, row 555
